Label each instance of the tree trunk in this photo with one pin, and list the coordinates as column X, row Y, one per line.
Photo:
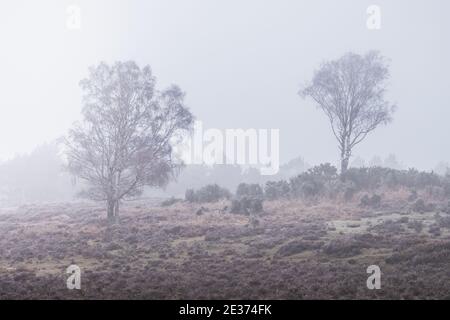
column 112, row 207
column 116, row 211
column 111, row 210
column 345, row 158
column 344, row 165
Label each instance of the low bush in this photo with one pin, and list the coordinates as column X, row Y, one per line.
column 376, row 177
column 343, row 247
column 249, row 190
column 246, row 205
column 297, row 246
column 413, row 196
column 446, row 208
column 249, row 199
column 277, row 190
column 373, row 201
column 416, row 225
column 313, row 182
column 209, row 193
column 170, row 201
column 421, row 207
column 324, row 181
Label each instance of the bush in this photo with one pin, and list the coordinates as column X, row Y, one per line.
column 446, row 185
column 249, row 190
column 246, row 205
column 416, row 225
column 190, row 195
column 337, row 187
column 325, row 171
column 296, row 246
column 372, row 202
column 324, row 181
column 446, row 208
column 344, row 247
column 209, row 193
column 170, row 201
column 313, row 182
column 201, row 211
column 249, row 199
column 413, row 196
column 421, row 207
column 277, row 189
column 444, row 222
column 375, row 177
column 349, row 192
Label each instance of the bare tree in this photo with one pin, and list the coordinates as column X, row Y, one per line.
column 351, row 92
column 125, row 139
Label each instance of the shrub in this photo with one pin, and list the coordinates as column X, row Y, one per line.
column 201, row 211
column 276, row 190
column 436, row 192
column 324, row 181
column 249, row 190
column 249, row 199
column 296, row 246
column 313, row 182
column 416, row 225
column 349, row 192
column 246, row 205
column 435, row 230
column 365, row 178
column 169, row 202
column 190, row 195
column 209, row 193
column 375, row 177
column 419, row 206
column 413, row 196
column 446, row 208
column 444, row 222
column 446, row 185
column 344, row 247
column 325, row 171
column 372, row 202
column 337, row 187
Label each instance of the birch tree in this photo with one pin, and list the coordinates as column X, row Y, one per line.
column 124, row 141
column 351, row 92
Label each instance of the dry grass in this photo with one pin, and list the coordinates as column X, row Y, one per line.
column 293, row 250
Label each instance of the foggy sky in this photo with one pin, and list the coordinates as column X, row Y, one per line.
column 241, row 63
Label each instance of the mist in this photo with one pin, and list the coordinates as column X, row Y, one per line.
column 241, row 65
column 322, row 149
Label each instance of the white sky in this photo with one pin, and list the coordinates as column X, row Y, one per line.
column 241, row 63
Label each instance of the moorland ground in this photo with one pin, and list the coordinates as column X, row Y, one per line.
column 318, row 249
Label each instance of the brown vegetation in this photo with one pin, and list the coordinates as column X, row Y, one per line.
column 294, row 249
